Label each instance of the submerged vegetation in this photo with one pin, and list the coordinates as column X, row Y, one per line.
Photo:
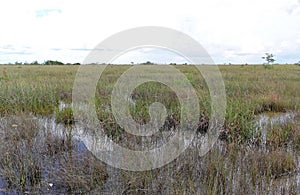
column 39, row 153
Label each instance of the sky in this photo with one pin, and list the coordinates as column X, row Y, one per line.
column 232, row 31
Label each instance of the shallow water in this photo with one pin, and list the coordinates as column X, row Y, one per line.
column 267, row 121
column 115, row 179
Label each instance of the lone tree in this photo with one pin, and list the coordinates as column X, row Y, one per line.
column 269, row 58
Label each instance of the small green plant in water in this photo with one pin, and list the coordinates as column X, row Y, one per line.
column 65, row 116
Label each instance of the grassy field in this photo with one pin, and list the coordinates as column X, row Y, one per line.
column 240, row 163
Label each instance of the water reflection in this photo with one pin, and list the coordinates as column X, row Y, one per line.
column 75, row 147
column 267, row 121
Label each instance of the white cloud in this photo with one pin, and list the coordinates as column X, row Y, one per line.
column 156, row 55
column 235, row 31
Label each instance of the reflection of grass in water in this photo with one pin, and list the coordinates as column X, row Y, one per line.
column 33, row 158
column 226, row 168
column 239, row 166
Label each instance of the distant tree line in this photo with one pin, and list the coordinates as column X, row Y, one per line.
column 269, row 59
column 47, row 62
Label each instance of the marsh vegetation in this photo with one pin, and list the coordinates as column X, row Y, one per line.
column 257, row 150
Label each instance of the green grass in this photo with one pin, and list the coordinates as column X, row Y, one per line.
column 64, row 116
column 250, row 90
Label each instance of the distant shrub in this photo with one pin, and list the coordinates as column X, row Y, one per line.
column 34, row 63
column 148, row 63
column 50, row 62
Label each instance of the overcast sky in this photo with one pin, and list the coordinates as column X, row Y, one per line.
column 235, row 31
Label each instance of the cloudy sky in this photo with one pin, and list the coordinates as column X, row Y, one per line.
column 232, row 31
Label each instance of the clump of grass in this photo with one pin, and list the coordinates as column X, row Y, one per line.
column 270, row 106
column 296, row 139
column 65, row 116
column 203, row 124
column 238, row 123
column 19, row 165
column 271, row 103
column 296, row 133
column 55, row 145
column 213, row 174
column 80, row 173
column 281, row 163
column 17, row 97
column 278, row 163
column 280, row 135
